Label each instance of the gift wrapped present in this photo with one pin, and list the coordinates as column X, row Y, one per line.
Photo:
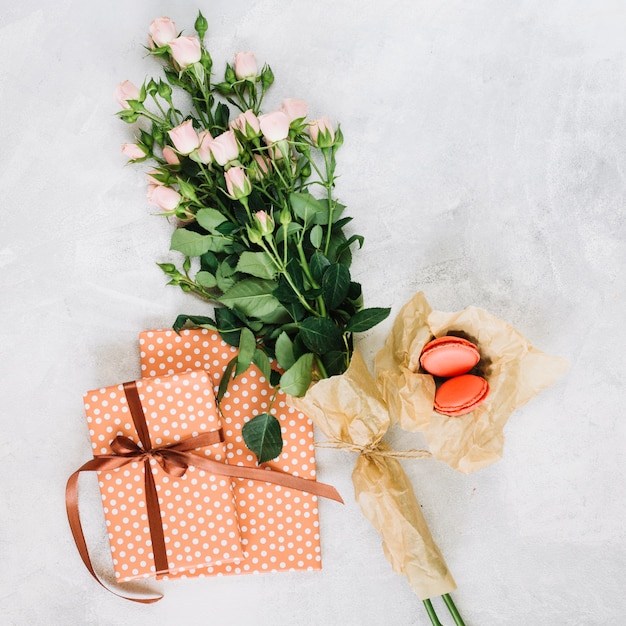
column 196, row 509
column 279, row 526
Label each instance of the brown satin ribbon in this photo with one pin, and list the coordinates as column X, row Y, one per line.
column 174, row 459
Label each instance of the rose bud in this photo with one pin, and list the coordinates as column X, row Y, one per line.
column 264, row 222
column 224, row 148
column 321, row 132
column 162, row 31
column 133, row 151
column 274, row 126
column 245, row 65
column 237, row 183
column 186, row 50
column 294, row 109
column 164, row 197
column 126, row 91
column 184, row 137
column 170, row 156
column 247, row 124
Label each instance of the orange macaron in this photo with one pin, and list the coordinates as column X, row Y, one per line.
column 460, row 395
column 449, row 356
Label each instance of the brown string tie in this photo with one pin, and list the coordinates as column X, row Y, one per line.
column 174, row 459
column 374, row 449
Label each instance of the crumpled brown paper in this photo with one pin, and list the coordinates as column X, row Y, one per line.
column 515, row 370
column 351, row 413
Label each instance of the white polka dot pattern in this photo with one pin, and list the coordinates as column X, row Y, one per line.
column 197, row 510
column 279, row 527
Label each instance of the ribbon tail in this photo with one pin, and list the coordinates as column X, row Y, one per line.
column 268, row 476
column 154, row 521
column 73, row 516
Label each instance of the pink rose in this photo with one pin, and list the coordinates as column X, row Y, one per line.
column 237, row 183
column 203, row 153
column 245, row 65
column 164, row 197
column 170, row 156
column 261, row 166
column 274, row 126
column 294, row 109
column 126, row 91
column 224, row 148
column 265, row 223
column 162, row 31
column 133, row 151
column 247, row 124
column 185, row 50
column 184, row 137
column 322, row 133
column 151, row 178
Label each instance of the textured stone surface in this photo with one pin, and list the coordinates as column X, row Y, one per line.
column 484, row 163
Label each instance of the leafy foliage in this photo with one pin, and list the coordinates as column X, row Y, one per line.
column 261, row 233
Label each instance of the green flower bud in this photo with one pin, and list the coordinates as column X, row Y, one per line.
column 253, row 235
column 285, row 215
column 201, row 25
column 165, row 91
column 229, row 74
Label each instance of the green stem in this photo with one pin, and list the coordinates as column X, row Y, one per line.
column 331, row 202
column 456, row 616
column 431, row 613
column 321, row 367
column 282, row 270
column 305, row 267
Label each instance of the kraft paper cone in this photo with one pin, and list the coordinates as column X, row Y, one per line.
column 352, row 414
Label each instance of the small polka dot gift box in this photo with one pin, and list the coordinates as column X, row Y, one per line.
column 197, row 509
column 279, row 527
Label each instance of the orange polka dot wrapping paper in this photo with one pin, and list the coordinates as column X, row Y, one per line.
column 279, row 527
column 197, row 509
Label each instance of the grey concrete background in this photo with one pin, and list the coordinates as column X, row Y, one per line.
column 484, row 163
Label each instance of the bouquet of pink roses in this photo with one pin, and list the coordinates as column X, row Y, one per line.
column 260, row 230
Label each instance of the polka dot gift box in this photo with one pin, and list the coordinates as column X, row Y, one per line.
column 279, row 527
column 197, row 509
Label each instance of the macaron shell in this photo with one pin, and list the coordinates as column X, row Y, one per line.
column 449, row 356
column 460, row 395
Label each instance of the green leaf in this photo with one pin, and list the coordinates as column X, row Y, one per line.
column 225, row 277
column 346, row 244
column 196, row 320
column 316, row 236
column 306, row 207
column 262, row 361
column 262, row 436
column 284, row 351
column 209, row 262
column 191, row 243
column 229, row 325
column 318, row 263
column 322, row 218
column 334, row 362
column 366, row 319
column 257, row 264
column 226, row 376
column 296, row 380
column 247, row 346
column 210, row 219
column 252, row 297
column 206, row 280
column 335, row 285
column 320, row 335
column 292, row 227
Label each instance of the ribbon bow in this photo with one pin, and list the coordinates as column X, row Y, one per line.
column 171, row 457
